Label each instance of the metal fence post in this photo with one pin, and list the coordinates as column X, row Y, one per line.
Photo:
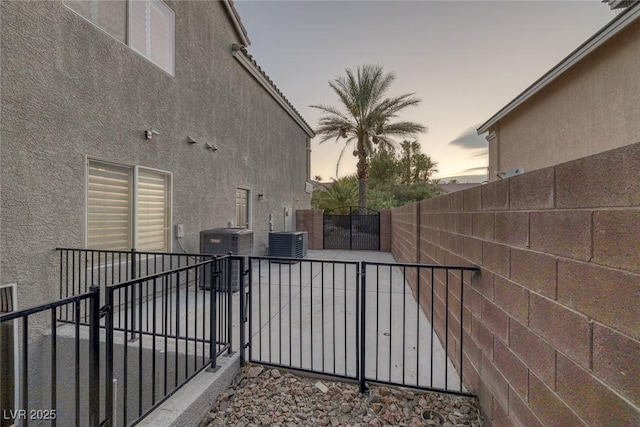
column 242, row 318
column 108, row 324
column 213, row 349
column 133, row 294
column 229, row 262
column 94, row 358
column 362, row 326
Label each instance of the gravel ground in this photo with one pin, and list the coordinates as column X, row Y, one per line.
column 269, row 397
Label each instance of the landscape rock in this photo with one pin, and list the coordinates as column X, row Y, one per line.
column 261, row 397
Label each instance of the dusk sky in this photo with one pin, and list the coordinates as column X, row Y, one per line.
column 464, row 59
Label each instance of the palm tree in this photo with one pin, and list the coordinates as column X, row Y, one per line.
column 366, row 117
column 337, row 196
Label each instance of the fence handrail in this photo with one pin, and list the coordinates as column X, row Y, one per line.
column 212, row 259
column 43, row 307
column 110, row 251
column 312, row 260
column 432, row 266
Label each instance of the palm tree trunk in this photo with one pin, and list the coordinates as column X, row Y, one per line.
column 363, row 174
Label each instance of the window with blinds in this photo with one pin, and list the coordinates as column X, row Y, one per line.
column 151, row 32
column 128, row 207
column 153, row 211
column 149, row 29
column 109, row 207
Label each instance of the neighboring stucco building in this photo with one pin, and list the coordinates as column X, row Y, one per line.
column 122, row 120
column 587, row 104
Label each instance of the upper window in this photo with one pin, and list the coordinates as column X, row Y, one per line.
column 149, row 29
column 128, row 207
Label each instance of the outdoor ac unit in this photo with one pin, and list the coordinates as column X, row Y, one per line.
column 222, row 241
column 288, row 244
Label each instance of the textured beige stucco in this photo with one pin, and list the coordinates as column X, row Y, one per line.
column 71, row 92
column 591, row 108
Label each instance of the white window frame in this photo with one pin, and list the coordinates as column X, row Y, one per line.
column 161, row 5
column 16, row 349
column 127, row 26
column 134, row 201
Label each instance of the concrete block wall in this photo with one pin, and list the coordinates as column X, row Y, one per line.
column 310, row 220
column 551, row 326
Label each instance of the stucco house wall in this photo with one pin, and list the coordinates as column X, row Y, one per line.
column 590, row 108
column 71, row 91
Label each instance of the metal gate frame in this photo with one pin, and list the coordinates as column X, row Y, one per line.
column 363, row 277
column 373, row 224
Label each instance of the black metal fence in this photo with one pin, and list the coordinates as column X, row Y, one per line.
column 82, row 268
column 303, row 314
column 391, row 323
column 57, row 375
column 180, row 328
column 159, row 329
column 351, row 228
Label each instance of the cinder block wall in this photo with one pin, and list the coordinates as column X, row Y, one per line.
column 310, row 220
column 552, row 324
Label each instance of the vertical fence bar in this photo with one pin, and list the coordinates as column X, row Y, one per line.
column 311, row 315
column 213, row 315
column 418, row 328
column 404, row 318
column 390, row 317
column 361, row 327
column 109, row 403
column 461, row 322
column 322, row 312
column 54, row 362
column 290, row 324
column 333, row 314
column 186, row 324
column 77, row 359
column 166, row 289
column 133, row 294
column 94, row 357
column 433, row 288
column 240, row 276
column 446, row 328
column 242, row 315
column 140, row 339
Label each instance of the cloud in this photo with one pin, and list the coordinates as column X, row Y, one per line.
column 470, row 139
column 479, row 153
column 481, row 168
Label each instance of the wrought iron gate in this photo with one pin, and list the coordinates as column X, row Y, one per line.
column 351, row 228
column 386, row 323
